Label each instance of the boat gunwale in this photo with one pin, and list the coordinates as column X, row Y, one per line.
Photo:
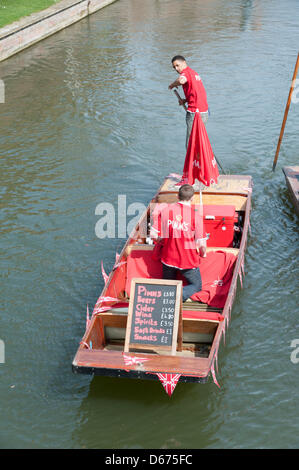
column 233, row 287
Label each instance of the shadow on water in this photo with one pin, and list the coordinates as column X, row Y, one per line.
column 141, row 409
column 138, row 390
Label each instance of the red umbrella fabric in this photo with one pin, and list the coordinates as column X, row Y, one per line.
column 200, row 162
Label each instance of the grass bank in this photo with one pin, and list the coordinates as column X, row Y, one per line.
column 13, row 10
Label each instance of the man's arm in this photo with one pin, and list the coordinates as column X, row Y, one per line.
column 181, row 80
column 200, row 238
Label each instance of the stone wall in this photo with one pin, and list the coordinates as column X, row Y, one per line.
column 31, row 29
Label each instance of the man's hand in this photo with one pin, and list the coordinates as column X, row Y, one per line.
column 201, row 248
column 172, row 85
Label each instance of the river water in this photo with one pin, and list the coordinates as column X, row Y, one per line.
column 88, row 117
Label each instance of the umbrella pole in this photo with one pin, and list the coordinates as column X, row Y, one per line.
column 200, row 194
column 286, row 113
column 201, row 209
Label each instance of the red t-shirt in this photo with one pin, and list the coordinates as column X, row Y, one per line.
column 179, row 225
column 194, row 90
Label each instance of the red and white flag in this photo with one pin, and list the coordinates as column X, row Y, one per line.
column 87, row 318
column 99, row 308
column 105, row 276
column 169, row 382
column 134, row 360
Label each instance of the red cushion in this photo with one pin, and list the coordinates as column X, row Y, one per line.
column 140, row 263
column 203, row 315
column 216, row 272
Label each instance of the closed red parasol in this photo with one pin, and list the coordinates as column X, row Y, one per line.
column 200, row 162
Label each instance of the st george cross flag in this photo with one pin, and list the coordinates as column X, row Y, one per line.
column 169, row 382
column 200, row 162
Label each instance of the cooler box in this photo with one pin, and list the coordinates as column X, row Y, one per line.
column 219, row 224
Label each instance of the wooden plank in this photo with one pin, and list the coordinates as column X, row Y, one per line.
column 114, row 320
column 143, row 247
column 234, row 251
column 194, row 325
column 226, row 184
column 239, row 201
column 94, row 334
column 156, row 363
column 292, row 180
column 138, row 247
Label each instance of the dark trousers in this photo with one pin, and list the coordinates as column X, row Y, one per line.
column 192, row 276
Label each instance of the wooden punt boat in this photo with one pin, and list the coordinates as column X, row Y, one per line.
column 292, row 180
column 203, row 321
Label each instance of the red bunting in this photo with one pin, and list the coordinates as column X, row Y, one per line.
column 105, row 276
column 87, row 318
column 169, row 382
column 214, row 375
column 98, row 308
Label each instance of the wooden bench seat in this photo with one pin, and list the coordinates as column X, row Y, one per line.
column 194, row 330
column 145, row 247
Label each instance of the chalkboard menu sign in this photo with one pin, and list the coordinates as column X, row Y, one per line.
column 155, row 315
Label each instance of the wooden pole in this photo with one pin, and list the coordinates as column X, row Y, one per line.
column 286, row 113
column 179, row 98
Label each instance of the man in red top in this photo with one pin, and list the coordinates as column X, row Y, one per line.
column 180, row 227
column 194, row 90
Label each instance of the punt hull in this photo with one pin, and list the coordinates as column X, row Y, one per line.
column 98, row 359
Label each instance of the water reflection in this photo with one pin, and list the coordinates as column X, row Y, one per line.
column 141, row 408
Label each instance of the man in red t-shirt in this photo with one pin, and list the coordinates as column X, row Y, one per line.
column 180, row 227
column 194, row 91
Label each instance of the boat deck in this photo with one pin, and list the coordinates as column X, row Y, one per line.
column 112, row 363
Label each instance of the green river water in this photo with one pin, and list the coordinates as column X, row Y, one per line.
column 88, row 117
